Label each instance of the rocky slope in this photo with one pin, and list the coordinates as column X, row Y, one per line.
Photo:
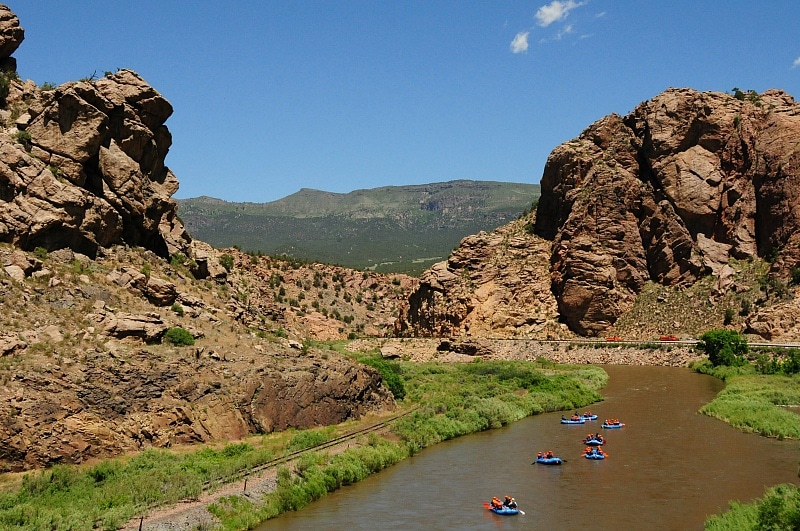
column 689, row 186
column 95, row 269
column 85, row 370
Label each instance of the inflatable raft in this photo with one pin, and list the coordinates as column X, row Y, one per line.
column 549, row 460
column 504, row 510
column 594, row 454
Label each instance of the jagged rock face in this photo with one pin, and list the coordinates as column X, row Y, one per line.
column 11, row 34
column 494, row 284
column 82, row 166
column 109, row 404
column 93, row 173
column 669, row 193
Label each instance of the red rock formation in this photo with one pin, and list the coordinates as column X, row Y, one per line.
column 493, row 285
column 83, row 164
column 669, row 193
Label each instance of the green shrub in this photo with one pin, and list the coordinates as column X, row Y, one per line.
column 40, row 253
column 778, row 509
column 390, row 372
column 724, row 347
column 24, row 138
column 179, row 336
column 226, row 261
column 178, row 260
column 177, row 308
column 5, row 86
column 746, row 305
column 729, row 313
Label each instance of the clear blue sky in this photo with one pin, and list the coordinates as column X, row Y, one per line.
column 338, row 95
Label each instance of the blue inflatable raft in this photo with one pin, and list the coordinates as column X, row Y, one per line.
column 591, row 441
column 549, row 460
column 594, row 455
column 615, row 425
column 571, row 421
column 504, row 510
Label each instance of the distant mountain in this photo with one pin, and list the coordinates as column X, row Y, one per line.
column 389, row 229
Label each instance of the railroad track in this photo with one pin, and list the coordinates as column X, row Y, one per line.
column 285, row 458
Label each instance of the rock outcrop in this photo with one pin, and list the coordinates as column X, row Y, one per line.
column 85, row 372
column 82, row 164
column 86, row 222
column 11, row 36
column 670, row 193
column 493, row 285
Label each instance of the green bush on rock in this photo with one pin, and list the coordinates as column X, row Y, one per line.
column 179, row 337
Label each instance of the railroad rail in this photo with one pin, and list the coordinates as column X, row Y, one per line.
column 208, row 485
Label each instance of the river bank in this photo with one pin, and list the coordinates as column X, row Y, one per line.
column 196, row 515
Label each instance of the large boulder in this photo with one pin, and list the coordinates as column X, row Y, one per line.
column 11, row 33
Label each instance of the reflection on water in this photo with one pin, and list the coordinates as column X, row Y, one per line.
column 668, row 468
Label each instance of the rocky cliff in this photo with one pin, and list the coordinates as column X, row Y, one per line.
column 82, row 164
column 670, row 193
column 494, row 284
column 679, row 190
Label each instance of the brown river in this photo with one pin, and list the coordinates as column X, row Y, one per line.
column 668, row 468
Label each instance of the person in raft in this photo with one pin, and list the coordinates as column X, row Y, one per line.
column 510, row 502
column 496, row 503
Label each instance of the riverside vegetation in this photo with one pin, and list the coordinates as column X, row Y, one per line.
column 450, row 399
column 760, row 388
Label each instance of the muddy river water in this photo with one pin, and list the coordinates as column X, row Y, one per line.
column 668, row 468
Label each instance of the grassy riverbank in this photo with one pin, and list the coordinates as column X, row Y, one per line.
column 453, row 400
column 779, row 509
column 755, row 403
column 762, row 404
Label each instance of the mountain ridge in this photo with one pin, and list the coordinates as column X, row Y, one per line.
column 389, row 228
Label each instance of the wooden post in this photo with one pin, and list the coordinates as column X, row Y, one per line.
column 141, row 521
column 245, row 485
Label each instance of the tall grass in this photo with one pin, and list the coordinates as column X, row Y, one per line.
column 108, row 494
column 458, row 399
column 779, row 509
column 750, row 401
